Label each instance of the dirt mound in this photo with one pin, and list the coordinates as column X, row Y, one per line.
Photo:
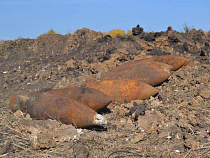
column 173, row 123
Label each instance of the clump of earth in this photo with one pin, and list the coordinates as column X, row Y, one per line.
column 174, row 123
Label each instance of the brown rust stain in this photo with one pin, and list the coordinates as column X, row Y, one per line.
column 93, row 98
column 145, row 72
column 45, row 106
column 120, row 90
column 154, row 64
column 175, row 61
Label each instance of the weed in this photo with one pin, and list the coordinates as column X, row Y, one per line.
column 186, row 28
column 2, row 42
column 118, row 32
column 48, row 33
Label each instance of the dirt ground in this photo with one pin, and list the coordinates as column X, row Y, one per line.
column 174, row 123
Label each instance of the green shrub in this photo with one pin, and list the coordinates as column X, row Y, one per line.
column 2, row 42
column 51, row 32
column 48, row 33
column 117, row 32
column 186, row 28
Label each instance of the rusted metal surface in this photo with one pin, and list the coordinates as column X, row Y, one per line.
column 175, row 61
column 12, row 102
column 146, row 72
column 158, row 65
column 93, row 98
column 50, row 106
column 120, row 90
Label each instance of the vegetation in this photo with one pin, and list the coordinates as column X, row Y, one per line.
column 118, row 32
column 2, row 41
column 48, row 33
column 51, row 32
column 186, row 28
column 129, row 33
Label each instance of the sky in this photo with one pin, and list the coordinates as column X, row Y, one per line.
column 30, row 18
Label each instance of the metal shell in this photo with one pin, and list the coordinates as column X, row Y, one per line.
column 145, row 72
column 50, row 106
column 12, row 102
column 175, row 61
column 120, row 90
column 154, row 64
column 93, row 98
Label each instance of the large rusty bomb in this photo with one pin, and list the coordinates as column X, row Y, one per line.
column 175, row 61
column 120, row 90
column 51, row 106
column 152, row 73
column 93, row 98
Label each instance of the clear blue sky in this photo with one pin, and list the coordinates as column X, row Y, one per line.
column 30, row 18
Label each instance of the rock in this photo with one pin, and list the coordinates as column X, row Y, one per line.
column 138, row 137
column 137, row 30
column 169, row 28
column 141, row 108
column 80, row 150
column 128, row 105
column 191, row 143
column 205, row 93
column 204, row 90
column 45, row 134
column 150, row 121
column 19, row 114
column 150, row 37
column 43, row 141
column 70, row 63
column 6, row 148
column 202, row 53
column 173, row 39
column 204, row 79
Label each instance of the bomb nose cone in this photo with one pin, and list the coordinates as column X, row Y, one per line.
column 99, row 120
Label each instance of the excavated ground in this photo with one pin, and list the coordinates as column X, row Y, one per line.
column 174, row 123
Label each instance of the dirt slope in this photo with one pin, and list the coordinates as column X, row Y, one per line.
column 174, row 123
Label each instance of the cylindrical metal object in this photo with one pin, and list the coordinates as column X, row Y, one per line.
column 93, row 98
column 158, row 65
column 175, row 61
column 120, row 90
column 51, row 106
column 145, row 72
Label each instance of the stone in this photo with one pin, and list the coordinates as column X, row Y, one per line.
column 169, row 28
column 205, row 93
column 137, row 30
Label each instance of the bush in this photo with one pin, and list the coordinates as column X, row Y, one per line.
column 51, row 32
column 2, row 42
column 105, row 33
column 48, row 33
column 116, row 32
column 187, row 28
column 129, row 33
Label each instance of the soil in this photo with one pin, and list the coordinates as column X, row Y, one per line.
column 174, row 123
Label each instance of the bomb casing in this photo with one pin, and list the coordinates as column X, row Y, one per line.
column 121, row 90
column 51, row 106
column 93, row 98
